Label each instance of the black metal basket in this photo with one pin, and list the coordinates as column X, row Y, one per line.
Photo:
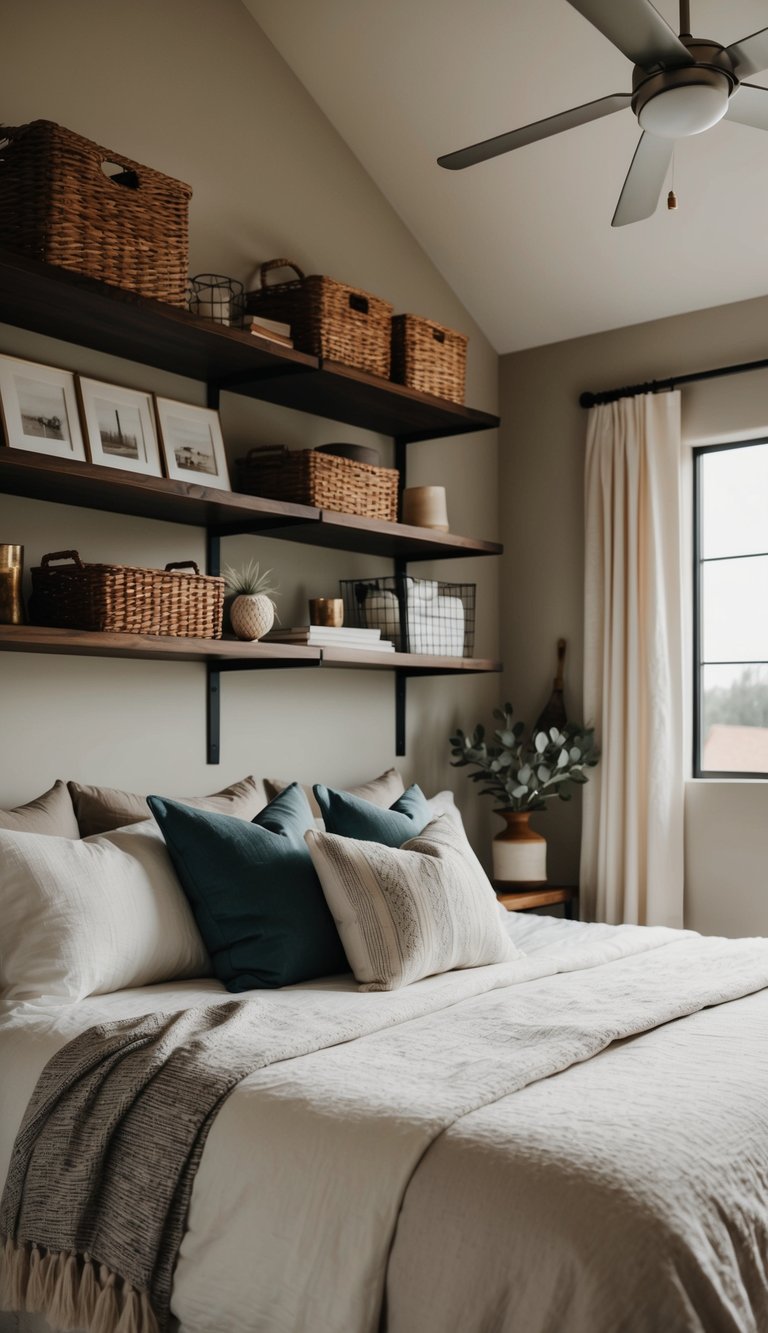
column 417, row 615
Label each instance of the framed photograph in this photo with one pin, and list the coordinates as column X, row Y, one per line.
column 193, row 448
column 39, row 409
column 119, row 427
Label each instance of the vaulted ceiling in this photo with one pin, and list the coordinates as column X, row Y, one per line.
column 525, row 240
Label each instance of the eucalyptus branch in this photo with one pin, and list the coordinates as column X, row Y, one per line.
column 524, row 773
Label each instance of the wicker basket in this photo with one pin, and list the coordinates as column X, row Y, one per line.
column 122, row 600
column 327, row 318
column 129, row 229
column 428, row 357
column 306, row 476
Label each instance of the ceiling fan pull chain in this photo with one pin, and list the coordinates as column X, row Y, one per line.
column 672, row 197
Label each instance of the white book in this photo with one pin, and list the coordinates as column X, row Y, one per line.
column 340, row 633
column 273, row 325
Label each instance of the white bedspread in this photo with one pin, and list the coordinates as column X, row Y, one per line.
column 522, row 1159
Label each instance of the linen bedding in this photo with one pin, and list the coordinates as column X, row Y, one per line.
column 571, row 1141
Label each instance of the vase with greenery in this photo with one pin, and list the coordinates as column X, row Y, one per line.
column 522, row 773
column 252, row 608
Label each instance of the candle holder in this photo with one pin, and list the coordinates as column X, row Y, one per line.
column 11, row 573
column 217, row 297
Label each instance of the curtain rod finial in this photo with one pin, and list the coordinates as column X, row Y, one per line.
column 587, row 399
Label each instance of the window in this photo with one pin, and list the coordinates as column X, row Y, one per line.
column 731, row 610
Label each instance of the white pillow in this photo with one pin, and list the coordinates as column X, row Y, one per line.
column 408, row 912
column 84, row 918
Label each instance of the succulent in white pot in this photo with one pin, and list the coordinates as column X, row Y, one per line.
column 252, row 609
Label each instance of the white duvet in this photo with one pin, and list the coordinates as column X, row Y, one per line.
column 571, row 1143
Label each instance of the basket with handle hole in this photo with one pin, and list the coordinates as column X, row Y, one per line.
column 121, row 599
column 328, row 319
column 68, row 202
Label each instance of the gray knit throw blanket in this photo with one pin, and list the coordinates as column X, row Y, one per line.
column 98, row 1190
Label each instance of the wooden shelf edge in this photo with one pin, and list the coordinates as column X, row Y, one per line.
column 224, row 652
column 81, row 310
column 91, row 643
column 411, row 663
column 92, row 486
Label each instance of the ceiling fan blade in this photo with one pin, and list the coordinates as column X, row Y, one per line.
column 540, row 129
column 749, row 106
column 645, row 178
column 750, row 55
column 637, row 29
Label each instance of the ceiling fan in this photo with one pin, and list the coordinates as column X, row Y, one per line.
column 680, row 86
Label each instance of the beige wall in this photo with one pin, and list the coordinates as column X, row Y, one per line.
column 193, row 88
column 541, row 462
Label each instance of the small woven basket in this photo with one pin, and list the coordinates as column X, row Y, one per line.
column 429, row 357
column 327, row 318
column 121, row 600
column 129, row 229
column 306, row 476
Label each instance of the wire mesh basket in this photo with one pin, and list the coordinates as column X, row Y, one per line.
column 417, row 615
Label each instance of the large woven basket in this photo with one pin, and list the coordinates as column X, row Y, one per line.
column 129, row 228
column 328, row 319
column 429, row 357
column 306, row 476
column 123, row 600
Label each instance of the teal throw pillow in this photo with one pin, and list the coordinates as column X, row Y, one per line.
column 352, row 817
column 254, row 891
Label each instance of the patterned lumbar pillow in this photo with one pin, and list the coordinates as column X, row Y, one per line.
column 352, row 817
column 405, row 913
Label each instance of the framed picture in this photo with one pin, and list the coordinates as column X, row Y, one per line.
column 39, row 409
column 193, row 448
column 119, row 427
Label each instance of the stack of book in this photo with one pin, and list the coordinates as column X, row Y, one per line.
column 272, row 329
column 331, row 636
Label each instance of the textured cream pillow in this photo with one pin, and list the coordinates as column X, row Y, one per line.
column 408, row 912
column 86, row 917
column 51, row 813
column 383, row 791
column 102, row 809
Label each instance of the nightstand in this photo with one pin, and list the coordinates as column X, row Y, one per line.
column 526, row 896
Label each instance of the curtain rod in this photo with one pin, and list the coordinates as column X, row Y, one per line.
column 588, row 399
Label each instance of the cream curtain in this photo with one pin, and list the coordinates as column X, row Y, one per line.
column 632, row 835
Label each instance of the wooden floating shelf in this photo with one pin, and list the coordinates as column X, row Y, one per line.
column 77, row 309
column 225, row 654
column 80, row 310
column 223, row 513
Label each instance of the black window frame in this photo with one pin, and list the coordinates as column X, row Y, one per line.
column 698, row 563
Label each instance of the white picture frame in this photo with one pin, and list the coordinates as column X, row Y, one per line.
column 119, row 427
column 192, row 443
column 38, row 405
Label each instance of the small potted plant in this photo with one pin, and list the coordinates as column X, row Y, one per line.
column 523, row 773
column 252, row 609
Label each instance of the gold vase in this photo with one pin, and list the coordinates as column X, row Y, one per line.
column 11, row 574
column 519, row 853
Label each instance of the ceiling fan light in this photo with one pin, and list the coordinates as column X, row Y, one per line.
column 677, row 113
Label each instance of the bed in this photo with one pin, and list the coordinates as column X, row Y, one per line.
column 573, row 1141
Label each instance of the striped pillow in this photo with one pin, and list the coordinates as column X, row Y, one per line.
column 409, row 912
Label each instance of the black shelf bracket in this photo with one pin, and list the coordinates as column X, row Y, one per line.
column 401, row 569
column 213, row 676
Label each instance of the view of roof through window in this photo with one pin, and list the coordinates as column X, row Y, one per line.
column 732, row 605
